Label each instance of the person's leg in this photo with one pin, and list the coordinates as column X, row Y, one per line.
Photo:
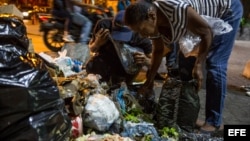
column 171, row 57
column 85, row 23
column 217, row 62
column 67, row 21
column 86, row 29
column 172, row 61
column 66, row 36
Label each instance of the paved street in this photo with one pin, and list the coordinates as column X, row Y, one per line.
column 237, row 105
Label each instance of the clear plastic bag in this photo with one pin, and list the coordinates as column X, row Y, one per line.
column 218, row 25
column 189, row 43
column 125, row 53
column 77, row 51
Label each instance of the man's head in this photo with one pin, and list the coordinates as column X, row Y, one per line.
column 120, row 32
column 141, row 17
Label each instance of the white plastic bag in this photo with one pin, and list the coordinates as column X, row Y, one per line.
column 100, row 112
column 64, row 63
column 189, row 45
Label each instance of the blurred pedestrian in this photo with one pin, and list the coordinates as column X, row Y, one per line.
column 82, row 20
column 60, row 10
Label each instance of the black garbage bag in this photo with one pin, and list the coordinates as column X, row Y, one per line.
column 167, row 107
column 13, row 31
column 189, row 106
column 31, row 108
column 178, row 105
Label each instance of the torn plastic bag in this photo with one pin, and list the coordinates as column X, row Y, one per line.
column 31, row 108
column 178, row 105
column 13, row 31
column 77, row 51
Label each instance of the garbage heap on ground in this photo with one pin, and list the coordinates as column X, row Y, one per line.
column 98, row 113
column 40, row 100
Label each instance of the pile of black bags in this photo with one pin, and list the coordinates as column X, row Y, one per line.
column 31, row 107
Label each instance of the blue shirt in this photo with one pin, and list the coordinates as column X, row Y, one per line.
column 121, row 6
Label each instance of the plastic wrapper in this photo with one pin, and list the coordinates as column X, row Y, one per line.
column 189, row 43
column 76, row 130
column 31, row 108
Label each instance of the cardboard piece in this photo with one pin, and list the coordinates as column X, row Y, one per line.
column 246, row 71
column 11, row 9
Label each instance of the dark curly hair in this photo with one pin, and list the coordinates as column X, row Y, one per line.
column 137, row 12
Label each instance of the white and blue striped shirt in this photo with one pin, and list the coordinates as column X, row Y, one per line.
column 176, row 12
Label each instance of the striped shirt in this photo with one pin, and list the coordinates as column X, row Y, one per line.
column 176, row 12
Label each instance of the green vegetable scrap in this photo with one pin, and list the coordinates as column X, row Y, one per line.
column 167, row 132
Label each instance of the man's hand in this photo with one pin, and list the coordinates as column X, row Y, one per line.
column 141, row 59
column 145, row 88
column 101, row 37
column 149, row 84
column 198, row 75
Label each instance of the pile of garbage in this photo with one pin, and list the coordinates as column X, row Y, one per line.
column 100, row 112
column 95, row 113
